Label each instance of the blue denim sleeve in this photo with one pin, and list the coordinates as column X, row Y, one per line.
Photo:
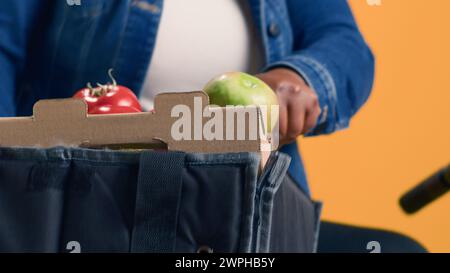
column 16, row 22
column 332, row 56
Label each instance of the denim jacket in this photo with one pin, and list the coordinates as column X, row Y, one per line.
column 51, row 48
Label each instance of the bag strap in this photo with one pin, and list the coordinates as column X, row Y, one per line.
column 157, row 200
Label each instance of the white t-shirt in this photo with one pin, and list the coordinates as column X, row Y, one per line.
column 200, row 39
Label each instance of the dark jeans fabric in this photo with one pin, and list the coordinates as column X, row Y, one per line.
column 339, row 238
column 107, row 201
column 295, row 220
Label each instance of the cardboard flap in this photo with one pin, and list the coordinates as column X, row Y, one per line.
column 48, row 110
column 180, row 120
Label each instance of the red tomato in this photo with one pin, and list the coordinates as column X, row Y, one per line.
column 109, row 99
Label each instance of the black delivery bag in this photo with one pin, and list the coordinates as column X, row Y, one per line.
column 84, row 200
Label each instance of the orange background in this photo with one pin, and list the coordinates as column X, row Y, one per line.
column 401, row 135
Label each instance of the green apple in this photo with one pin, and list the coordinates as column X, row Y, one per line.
column 237, row 88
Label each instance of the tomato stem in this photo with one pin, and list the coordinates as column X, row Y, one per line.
column 96, row 91
column 102, row 89
column 112, row 77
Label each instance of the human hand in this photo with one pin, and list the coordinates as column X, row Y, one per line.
column 299, row 104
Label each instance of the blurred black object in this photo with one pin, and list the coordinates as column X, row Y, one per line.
column 426, row 192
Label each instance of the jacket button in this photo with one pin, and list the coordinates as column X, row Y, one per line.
column 274, row 29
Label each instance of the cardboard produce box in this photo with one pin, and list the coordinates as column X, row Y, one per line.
column 65, row 122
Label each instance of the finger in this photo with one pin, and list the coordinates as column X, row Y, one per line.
column 311, row 119
column 312, row 113
column 296, row 116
